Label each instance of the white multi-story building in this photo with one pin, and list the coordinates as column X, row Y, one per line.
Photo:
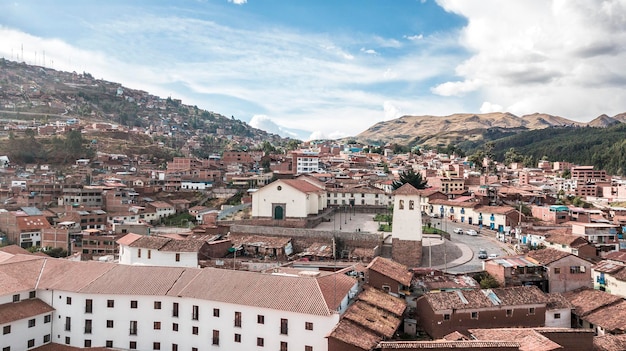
column 306, row 162
column 98, row 304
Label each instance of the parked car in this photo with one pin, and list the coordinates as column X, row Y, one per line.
column 494, row 255
column 482, row 254
column 471, row 232
column 458, row 231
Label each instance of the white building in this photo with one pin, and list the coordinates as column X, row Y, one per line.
column 306, row 162
column 159, row 251
column 288, row 198
column 98, row 304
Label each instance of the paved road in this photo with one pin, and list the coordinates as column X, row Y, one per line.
column 485, row 240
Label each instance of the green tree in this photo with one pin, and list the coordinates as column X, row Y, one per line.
column 412, row 178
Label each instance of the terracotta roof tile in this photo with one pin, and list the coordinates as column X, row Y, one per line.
column 586, row 301
column 610, row 318
column 606, row 266
column 13, row 311
column 149, row 242
column 406, row 189
column 379, row 321
column 391, row 269
column 19, row 276
column 334, row 288
column 128, row 239
column 619, row 256
column 302, row 185
column 353, row 334
column 610, row 342
column 529, row 339
column 546, row 256
column 71, row 276
column 184, row 245
column 556, row 301
column 448, row 345
column 382, row 300
column 485, row 298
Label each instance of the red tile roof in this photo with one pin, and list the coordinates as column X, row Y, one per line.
column 529, row 339
column 586, row 301
column 610, row 342
column 391, row 269
column 14, row 311
column 546, row 256
column 485, row 298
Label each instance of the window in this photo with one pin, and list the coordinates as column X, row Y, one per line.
column 386, row 288
column 108, row 343
column 109, row 323
column 175, row 309
column 195, row 313
column 156, row 325
column 150, row 256
column 47, row 318
column 157, row 305
column 283, row 346
column 67, row 340
column 46, row 338
column 133, row 304
column 577, row 269
column 156, row 345
column 194, row 349
column 110, row 303
column 509, row 313
column 31, row 322
column 177, row 257
column 216, row 312
column 260, row 319
column 216, row 337
column 32, row 294
column 237, row 337
column 133, row 327
column 175, row 326
column 531, row 310
column 401, row 207
column 87, row 326
column 308, row 325
column 132, row 345
column 31, row 343
column 557, row 316
column 6, row 330
column 238, row 319
column 474, row 315
column 68, row 323
column 260, row 342
column 174, row 347
column 284, row 326
column 16, row 298
column 139, row 253
column 308, row 348
column 88, row 306
column 68, row 300
column 7, row 348
column 411, row 204
column 87, row 343
column 557, row 270
column 446, row 317
column 194, row 330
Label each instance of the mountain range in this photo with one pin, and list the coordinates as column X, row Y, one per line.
column 464, row 127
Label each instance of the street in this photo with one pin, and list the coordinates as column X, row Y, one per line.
column 485, row 240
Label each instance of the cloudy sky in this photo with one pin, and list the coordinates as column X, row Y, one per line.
column 328, row 69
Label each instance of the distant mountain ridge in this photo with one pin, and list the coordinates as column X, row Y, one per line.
column 460, row 127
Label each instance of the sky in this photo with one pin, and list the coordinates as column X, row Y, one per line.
column 313, row 69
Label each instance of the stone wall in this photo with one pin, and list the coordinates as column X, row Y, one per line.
column 407, row 252
column 303, row 237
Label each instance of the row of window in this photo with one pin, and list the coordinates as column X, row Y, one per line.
column 31, row 323
column 150, row 255
column 31, row 295
column 509, row 313
column 30, row 343
column 157, row 345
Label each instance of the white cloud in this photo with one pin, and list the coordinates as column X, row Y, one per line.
column 238, row 2
column 369, row 51
column 488, row 107
column 414, row 37
column 560, row 57
column 265, row 123
column 391, row 111
column 456, row 88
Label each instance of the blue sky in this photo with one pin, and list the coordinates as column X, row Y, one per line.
column 329, row 69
